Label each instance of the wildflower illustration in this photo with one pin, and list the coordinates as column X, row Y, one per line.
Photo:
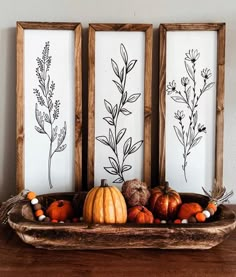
column 50, row 111
column 190, row 131
column 116, row 136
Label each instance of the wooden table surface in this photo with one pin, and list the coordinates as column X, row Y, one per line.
column 20, row 259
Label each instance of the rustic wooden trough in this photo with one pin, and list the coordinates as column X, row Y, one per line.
column 113, row 236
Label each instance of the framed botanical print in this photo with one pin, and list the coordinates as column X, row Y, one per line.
column 49, row 107
column 192, row 60
column 119, row 119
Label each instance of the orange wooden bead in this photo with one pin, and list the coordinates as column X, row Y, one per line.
column 39, row 212
column 54, row 220
column 157, row 221
column 200, row 217
column 212, row 206
column 211, row 211
column 31, row 195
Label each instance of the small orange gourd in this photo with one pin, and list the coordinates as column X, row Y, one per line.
column 189, row 209
column 60, row 210
column 104, row 204
column 140, row 214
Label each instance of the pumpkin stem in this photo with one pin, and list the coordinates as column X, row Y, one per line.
column 104, row 183
column 61, row 203
column 166, row 187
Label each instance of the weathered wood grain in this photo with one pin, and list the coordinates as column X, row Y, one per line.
column 113, row 236
column 220, row 105
column 193, row 26
column 48, row 25
column 162, row 104
column 78, row 107
column 19, row 109
column 16, row 257
column 91, row 107
column 147, row 105
column 147, row 28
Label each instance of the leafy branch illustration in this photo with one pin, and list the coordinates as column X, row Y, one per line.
column 189, row 134
column 115, row 135
column 50, row 110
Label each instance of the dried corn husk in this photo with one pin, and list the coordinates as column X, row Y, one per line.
column 218, row 195
column 9, row 204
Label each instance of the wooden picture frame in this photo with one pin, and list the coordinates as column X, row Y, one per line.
column 49, row 87
column 117, row 55
column 208, row 37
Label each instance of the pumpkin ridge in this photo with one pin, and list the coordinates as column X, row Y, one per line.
column 137, row 214
column 89, row 205
column 123, row 205
column 118, row 204
column 99, row 204
column 113, row 200
column 92, row 201
column 177, row 199
column 103, row 202
column 111, row 206
column 107, row 206
column 85, row 211
column 140, row 217
column 133, row 212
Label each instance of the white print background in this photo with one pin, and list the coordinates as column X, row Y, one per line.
column 107, row 46
column 37, row 145
column 200, row 163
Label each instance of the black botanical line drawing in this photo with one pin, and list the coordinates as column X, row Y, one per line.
column 115, row 135
column 189, row 134
column 50, row 110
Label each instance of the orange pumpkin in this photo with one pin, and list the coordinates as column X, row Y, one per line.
column 164, row 202
column 140, row 214
column 105, row 204
column 60, row 210
column 189, row 209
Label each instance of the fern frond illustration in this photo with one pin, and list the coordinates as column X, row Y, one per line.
column 189, row 134
column 116, row 135
column 47, row 111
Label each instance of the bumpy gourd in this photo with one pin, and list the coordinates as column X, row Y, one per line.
column 104, row 204
column 135, row 192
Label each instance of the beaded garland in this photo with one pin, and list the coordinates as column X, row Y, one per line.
column 199, row 217
column 38, row 212
column 217, row 196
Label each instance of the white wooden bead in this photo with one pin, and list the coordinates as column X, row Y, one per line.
column 206, row 213
column 184, row 221
column 34, row 201
column 41, row 217
column 61, row 221
column 163, row 221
